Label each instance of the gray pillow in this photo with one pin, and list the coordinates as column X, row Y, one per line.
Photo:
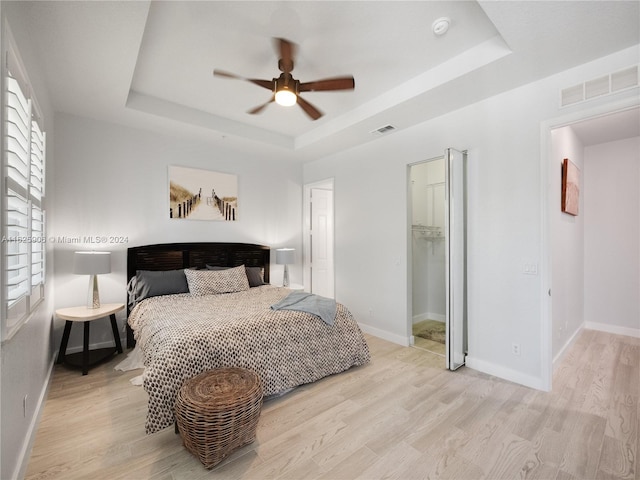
column 255, row 276
column 154, row 283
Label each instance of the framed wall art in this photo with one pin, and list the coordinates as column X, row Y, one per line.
column 570, row 187
column 197, row 194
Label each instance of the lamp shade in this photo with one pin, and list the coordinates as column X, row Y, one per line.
column 285, row 256
column 91, row 263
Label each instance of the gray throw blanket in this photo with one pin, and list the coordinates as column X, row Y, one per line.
column 323, row 307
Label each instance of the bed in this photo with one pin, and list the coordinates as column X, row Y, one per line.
column 224, row 319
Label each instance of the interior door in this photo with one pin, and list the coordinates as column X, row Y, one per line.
column 455, row 221
column 322, row 282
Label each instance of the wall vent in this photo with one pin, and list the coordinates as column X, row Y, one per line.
column 624, row 79
column 597, row 87
column 383, row 130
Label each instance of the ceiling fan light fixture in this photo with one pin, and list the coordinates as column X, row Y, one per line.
column 286, row 97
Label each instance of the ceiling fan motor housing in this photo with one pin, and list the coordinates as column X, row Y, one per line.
column 285, row 67
column 286, row 82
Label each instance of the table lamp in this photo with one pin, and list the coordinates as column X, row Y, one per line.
column 285, row 256
column 92, row 264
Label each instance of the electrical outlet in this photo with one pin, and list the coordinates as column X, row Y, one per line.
column 24, row 406
column 515, row 349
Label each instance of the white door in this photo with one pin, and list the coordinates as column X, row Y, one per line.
column 321, row 242
column 455, row 231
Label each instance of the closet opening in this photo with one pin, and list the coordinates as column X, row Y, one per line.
column 437, row 257
column 428, row 250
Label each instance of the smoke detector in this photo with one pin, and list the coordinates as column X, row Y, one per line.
column 441, row 26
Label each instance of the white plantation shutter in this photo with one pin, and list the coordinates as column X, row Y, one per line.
column 18, row 125
column 36, row 192
column 18, row 164
column 23, row 161
column 17, row 252
column 37, row 253
column 36, row 182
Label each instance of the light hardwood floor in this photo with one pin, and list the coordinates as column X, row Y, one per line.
column 402, row 416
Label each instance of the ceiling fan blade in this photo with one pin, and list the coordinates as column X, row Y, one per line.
column 225, row 74
column 338, row 83
column 309, row 109
column 259, row 108
column 268, row 84
column 286, row 49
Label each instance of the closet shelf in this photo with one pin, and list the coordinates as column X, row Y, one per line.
column 428, row 231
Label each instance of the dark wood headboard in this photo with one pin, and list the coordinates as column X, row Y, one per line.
column 173, row 256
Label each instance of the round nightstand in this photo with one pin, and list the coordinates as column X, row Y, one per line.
column 87, row 357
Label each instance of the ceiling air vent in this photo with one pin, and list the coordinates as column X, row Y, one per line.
column 383, row 130
column 606, row 85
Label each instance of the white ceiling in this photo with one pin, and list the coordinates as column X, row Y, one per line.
column 149, row 64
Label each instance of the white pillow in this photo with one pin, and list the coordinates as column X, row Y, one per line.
column 208, row 282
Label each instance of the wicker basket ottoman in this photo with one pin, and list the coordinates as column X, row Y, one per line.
column 217, row 412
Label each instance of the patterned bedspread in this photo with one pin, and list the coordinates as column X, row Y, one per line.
column 183, row 335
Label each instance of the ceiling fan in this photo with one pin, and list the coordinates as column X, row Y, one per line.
column 286, row 89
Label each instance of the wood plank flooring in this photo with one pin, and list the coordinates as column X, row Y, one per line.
column 400, row 417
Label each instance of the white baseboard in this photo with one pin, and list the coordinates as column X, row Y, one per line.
column 475, row 364
column 504, row 373
column 616, row 330
column 392, row 337
column 25, row 451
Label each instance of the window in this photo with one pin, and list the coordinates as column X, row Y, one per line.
column 23, row 164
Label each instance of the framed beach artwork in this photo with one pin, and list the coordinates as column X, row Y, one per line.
column 570, row 187
column 196, row 194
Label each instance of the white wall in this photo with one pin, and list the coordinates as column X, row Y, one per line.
column 112, row 181
column 567, row 238
column 612, row 236
column 505, row 214
column 26, row 358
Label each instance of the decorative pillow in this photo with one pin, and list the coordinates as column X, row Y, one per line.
column 255, row 275
column 207, row 282
column 148, row 283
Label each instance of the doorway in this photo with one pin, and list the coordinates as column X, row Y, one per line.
column 564, row 291
column 427, row 184
column 318, row 238
column 437, row 256
column 592, row 274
